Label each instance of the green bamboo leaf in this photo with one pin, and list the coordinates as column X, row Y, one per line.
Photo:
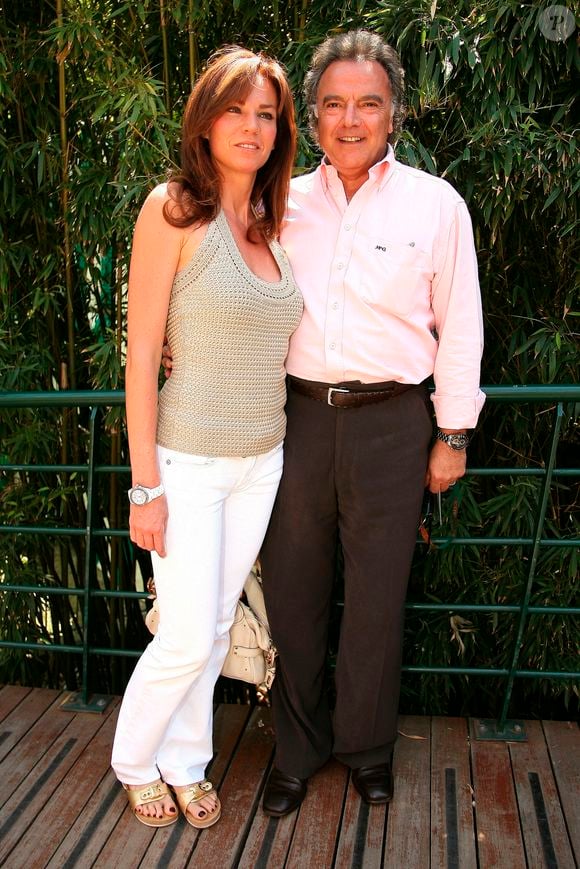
column 40, row 168
column 427, row 159
column 101, row 110
column 508, row 161
column 552, row 197
column 453, row 49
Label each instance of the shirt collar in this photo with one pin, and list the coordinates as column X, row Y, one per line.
column 377, row 173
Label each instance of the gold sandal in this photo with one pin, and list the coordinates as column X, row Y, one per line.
column 150, row 794
column 193, row 794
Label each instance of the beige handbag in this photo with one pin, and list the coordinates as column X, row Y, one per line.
column 251, row 656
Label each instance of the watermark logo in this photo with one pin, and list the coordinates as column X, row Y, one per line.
column 557, row 23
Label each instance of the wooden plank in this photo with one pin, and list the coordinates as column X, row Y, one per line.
column 50, row 827
column 452, row 828
column 173, row 846
column 40, row 731
column 318, row 824
column 18, row 723
column 128, row 841
column 84, row 842
column 105, row 804
column 543, row 828
column 563, row 738
column 222, row 844
column 10, row 697
column 409, row 822
column 41, row 784
column 362, row 833
column 268, row 841
column 499, row 840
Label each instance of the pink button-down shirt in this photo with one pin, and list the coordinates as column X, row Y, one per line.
column 390, row 285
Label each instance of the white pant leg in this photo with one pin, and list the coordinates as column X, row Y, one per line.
column 197, row 598
column 246, row 515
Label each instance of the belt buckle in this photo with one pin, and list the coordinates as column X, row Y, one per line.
column 332, row 389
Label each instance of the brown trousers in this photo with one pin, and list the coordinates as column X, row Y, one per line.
column 354, row 475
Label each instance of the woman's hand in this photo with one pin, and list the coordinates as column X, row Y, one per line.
column 147, row 524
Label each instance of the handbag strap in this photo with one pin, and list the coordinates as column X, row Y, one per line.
column 255, row 595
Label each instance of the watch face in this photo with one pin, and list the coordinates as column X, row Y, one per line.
column 455, row 441
column 138, row 496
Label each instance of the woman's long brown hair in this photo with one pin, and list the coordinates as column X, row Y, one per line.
column 195, row 189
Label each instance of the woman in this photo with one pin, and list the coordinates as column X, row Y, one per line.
column 206, row 454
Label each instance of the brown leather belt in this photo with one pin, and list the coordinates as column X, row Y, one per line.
column 348, row 395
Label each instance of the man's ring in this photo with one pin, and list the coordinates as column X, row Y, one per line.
column 452, row 484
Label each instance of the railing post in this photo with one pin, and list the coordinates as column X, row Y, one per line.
column 502, row 729
column 80, row 701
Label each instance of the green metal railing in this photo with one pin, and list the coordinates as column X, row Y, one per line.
column 95, row 401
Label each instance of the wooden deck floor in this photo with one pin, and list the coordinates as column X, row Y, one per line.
column 458, row 802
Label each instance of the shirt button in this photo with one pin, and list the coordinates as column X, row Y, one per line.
column 340, row 266
column 347, row 227
column 335, row 305
column 332, row 345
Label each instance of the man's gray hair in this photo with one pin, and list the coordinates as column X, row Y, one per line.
column 358, row 45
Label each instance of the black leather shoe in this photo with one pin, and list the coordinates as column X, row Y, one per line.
column 374, row 783
column 283, row 793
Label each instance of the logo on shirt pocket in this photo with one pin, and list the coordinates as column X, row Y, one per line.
column 396, row 276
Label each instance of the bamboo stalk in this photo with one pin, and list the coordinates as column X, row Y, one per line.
column 192, row 46
column 302, row 29
column 165, row 44
column 68, row 371
column 65, row 201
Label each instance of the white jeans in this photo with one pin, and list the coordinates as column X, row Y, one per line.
column 218, row 514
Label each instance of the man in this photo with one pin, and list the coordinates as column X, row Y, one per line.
column 385, row 260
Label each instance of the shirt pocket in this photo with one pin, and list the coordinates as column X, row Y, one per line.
column 396, row 276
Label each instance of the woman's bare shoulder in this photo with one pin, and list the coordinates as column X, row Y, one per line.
column 157, row 199
column 161, row 201
column 152, row 210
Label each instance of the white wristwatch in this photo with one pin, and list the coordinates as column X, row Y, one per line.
column 140, row 495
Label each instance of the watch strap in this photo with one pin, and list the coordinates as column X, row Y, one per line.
column 151, row 493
